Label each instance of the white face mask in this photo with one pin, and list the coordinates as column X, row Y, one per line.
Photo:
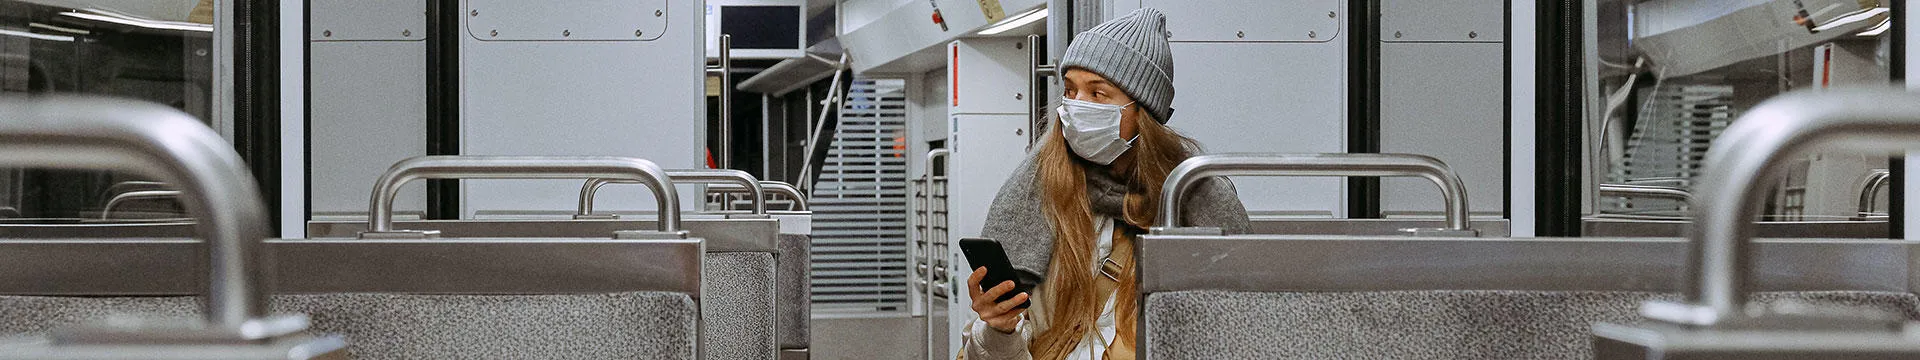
column 1093, row 130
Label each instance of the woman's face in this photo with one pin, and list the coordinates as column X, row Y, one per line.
column 1087, row 86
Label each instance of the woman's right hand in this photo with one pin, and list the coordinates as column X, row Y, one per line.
column 1003, row 316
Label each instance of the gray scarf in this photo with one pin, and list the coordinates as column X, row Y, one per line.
column 1018, row 222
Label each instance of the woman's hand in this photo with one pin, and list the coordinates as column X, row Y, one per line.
column 1002, row 316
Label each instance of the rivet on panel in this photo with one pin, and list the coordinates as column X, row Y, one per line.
column 1473, row 34
column 636, row 33
column 1396, row 34
column 474, row 13
column 1313, row 35
column 1019, row 96
column 1240, row 34
column 493, row 32
column 566, row 32
column 658, row 13
column 406, row 33
column 326, row 33
column 1331, row 14
column 1019, row 45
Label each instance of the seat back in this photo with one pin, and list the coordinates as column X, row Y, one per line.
column 1274, row 296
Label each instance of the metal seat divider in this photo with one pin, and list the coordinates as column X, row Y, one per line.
column 153, row 140
column 1716, row 312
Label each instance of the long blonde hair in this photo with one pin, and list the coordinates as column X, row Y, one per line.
column 1073, row 307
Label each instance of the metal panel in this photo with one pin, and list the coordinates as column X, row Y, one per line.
column 1451, row 21
column 986, row 151
column 1251, row 21
column 368, row 111
column 427, row 266
column 350, row 20
column 1605, row 227
column 1336, row 263
column 993, row 73
column 621, row 98
column 1444, row 100
column 1325, row 226
column 583, row 20
column 1233, row 99
column 723, row 235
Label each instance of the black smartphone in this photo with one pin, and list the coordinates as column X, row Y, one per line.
column 987, row 253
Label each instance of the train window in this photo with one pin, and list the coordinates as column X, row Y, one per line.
column 157, row 51
column 1671, row 75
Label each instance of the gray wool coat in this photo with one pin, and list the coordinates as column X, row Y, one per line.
column 1018, row 222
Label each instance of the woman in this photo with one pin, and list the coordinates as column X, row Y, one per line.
column 1077, row 204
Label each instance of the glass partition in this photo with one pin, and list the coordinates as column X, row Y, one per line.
column 1672, row 74
column 153, row 50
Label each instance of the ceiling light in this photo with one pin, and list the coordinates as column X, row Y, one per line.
column 60, row 29
column 1876, row 30
column 1016, row 22
column 145, row 23
column 35, row 36
column 1854, row 17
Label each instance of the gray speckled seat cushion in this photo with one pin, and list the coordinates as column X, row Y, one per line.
column 1412, row 324
column 636, row 325
column 738, row 296
column 795, row 304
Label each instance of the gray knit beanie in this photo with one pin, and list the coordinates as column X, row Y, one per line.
column 1132, row 52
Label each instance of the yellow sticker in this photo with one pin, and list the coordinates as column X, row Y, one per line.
column 993, row 11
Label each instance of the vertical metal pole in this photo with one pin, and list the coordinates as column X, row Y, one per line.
column 1038, row 91
column 726, row 101
column 223, row 68
column 766, row 137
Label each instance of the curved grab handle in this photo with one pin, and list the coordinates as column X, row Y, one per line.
column 792, row 193
column 157, row 141
column 591, row 188
column 770, row 188
column 1646, row 191
column 1742, row 162
column 106, row 212
column 1877, row 180
column 380, row 219
column 1190, row 172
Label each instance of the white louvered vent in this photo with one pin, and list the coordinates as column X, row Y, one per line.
column 1670, row 141
column 860, row 249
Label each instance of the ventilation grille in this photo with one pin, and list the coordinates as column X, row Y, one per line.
column 860, row 250
column 1670, row 141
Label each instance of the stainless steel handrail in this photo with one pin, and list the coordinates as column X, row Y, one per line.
column 1037, row 88
column 835, row 95
column 1877, row 180
column 131, row 186
column 1742, row 161
column 591, row 189
column 928, row 272
column 380, row 212
column 770, row 187
column 106, row 212
column 1190, row 172
column 725, row 70
column 1646, row 191
column 793, row 193
column 157, row 141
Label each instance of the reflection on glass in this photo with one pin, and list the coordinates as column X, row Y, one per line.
column 152, row 50
column 1674, row 73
